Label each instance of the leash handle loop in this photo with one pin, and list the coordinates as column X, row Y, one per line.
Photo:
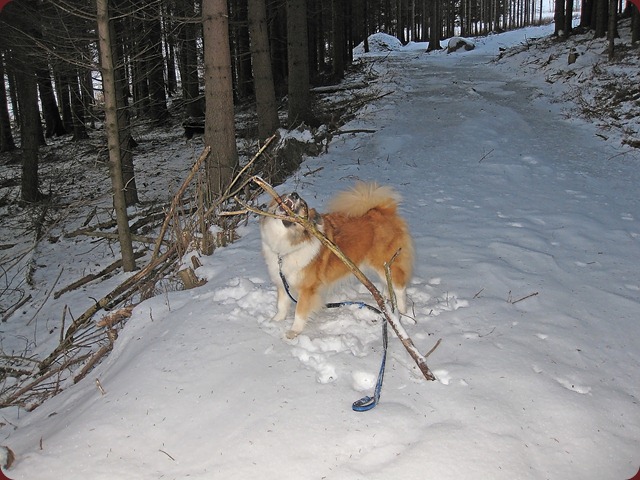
column 365, row 403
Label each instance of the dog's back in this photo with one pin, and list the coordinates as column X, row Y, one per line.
column 363, row 197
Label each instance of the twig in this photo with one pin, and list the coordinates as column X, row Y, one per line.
column 426, row 355
column 31, row 385
column 485, row 155
column 15, row 308
column 176, row 199
column 99, row 385
column 230, row 191
column 162, row 451
column 47, row 298
column 513, row 302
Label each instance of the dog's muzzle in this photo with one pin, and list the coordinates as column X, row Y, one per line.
column 294, row 203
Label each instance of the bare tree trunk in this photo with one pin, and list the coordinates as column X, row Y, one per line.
column 6, row 137
column 435, row 26
column 337, row 7
column 559, row 18
column 266, row 105
column 113, row 134
column 77, row 108
column 298, row 62
column 635, row 25
column 219, row 130
column 53, row 121
column 158, row 111
column 188, row 60
column 612, row 30
column 29, row 134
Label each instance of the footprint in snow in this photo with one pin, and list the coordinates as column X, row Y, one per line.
column 573, row 386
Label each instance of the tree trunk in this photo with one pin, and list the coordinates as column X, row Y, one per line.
column 53, row 121
column 188, row 60
column 266, row 106
column 242, row 57
column 337, row 7
column 611, row 30
column 64, row 96
column 434, row 26
column 29, row 134
column 77, row 109
column 559, row 18
column 155, row 69
column 6, row 137
column 219, row 130
column 113, row 133
column 635, row 25
column 602, row 8
column 298, row 63
column 170, row 47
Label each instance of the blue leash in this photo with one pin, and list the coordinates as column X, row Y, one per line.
column 365, row 403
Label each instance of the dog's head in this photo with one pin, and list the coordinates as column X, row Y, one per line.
column 292, row 231
column 291, row 202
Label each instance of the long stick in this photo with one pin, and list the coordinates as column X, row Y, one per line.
column 406, row 340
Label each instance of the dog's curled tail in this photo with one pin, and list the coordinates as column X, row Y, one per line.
column 363, row 197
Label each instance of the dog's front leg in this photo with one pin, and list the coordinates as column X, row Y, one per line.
column 284, row 302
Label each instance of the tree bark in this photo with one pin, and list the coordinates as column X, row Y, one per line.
column 434, row 26
column 337, row 7
column 6, row 137
column 611, row 29
column 53, row 122
column 188, row 60
column 219, row 131
column 158, row 111
column 266, row 106
column 113, row 133
column 29, row 134
column 77, row 109
column 298, row 63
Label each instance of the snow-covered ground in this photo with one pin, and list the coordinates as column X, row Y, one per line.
column 527, row 232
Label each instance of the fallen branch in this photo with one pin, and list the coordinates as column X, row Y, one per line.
column 393, row 320
column 93, row 276
column 110, row 235
column 11, row 399
column 102, row 351
column 84, row 319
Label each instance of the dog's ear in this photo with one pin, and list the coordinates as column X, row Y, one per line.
column 315, row 217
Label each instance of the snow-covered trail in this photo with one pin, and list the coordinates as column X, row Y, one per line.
column 528, row 245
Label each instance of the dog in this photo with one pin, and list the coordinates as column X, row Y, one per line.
column 363, row 222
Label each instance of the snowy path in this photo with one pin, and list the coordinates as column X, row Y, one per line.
column 506, row 199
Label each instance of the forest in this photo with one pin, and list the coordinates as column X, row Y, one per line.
column 193, row 62
column 117, row 69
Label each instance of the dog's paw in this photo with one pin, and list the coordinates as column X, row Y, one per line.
column 291, row 334
column 278, row 317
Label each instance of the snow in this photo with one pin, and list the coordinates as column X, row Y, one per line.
column 527, row 235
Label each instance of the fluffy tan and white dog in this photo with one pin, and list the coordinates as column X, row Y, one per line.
column 363, row 222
